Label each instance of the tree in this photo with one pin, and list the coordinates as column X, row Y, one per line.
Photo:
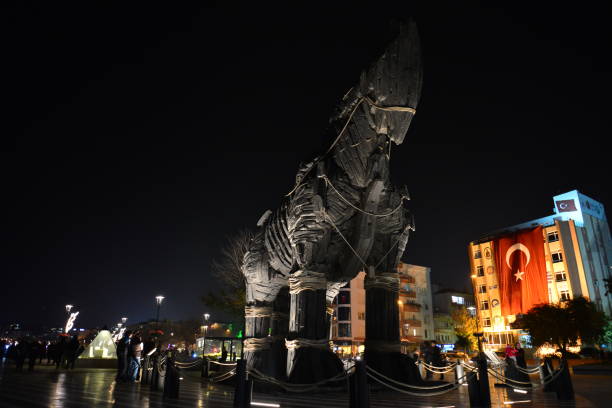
column 465, row 327
column 227, row 271
column 563, row 324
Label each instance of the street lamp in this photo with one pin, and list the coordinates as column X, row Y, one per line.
column 158, row 300
column 206, row 317
column 123, row 320
column 68, row 308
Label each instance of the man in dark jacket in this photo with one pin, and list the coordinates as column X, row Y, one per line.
column 134, row 355
column 122, row 356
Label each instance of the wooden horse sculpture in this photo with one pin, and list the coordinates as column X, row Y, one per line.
column 342, row 216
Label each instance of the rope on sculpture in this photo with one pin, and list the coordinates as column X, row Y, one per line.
column 300, row 342
column 365, row 265
column 257, row 311
column 328, row 182
column 387, row 281
column 306, row 280
column 348, row 120
column 257, row 344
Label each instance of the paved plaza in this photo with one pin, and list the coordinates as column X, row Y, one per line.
column 47, row 387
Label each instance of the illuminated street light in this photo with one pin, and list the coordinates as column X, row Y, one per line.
column 206, row 317
column 123, row 320
column 158, row 300
column 68, row 308
column 119, row 325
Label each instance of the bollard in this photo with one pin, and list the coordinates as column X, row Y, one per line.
column 205, row 367
column 155, row 372
column 358, row 387
column 483, row 381
column 242, row 393
column 459, row 373
column 145, row 370
column 563, row 384
column 473, row 391
column 172, row 379
column 548, row 371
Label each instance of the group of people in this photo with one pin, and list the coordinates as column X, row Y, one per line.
column 515, row 357
column 61, row 353
column 130, row 350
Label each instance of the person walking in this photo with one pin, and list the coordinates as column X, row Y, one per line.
column 135, row 353
column 436, row 357
column 33, row 352
column 427, row 357
column 72, row 352
column 122, row 356
column 60, row 351
column 20, row 352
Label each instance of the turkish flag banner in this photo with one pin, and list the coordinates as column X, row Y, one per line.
column 566, row 205
column 521, row 268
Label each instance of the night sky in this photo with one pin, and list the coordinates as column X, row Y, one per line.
column 136, row 139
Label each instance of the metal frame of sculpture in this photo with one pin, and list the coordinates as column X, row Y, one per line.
column 342, row 216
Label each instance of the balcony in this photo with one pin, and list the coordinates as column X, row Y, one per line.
column 407, row 279
column 412, row 322
column 408, row 293
column 412, row 307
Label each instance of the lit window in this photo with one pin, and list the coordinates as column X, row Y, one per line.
column 486, row 322
column 557, row 257
column 479, row 271
column 564, row 295
column 482, row 288
column 484, row 305
column 457, row 299
column 553, row 236
column 477, row 254
column 560, row 276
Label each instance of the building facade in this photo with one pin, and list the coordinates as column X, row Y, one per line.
column 415, row 304
column 578, row 253
column 415, row 309
column 444, row 301
column 348, row 321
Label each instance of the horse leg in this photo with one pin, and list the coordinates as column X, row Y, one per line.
column 309, row 358
column 382, row 344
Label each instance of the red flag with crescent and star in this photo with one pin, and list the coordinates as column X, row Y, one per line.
column 521, row 268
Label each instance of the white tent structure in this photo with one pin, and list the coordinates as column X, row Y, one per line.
column 102, row 347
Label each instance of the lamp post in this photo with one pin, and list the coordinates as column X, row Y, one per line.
column 68, row 308
column 123, row 320
column 206, row 317
column 158, row 300
column 478, row 333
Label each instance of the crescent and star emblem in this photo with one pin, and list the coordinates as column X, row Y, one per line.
column 518, row 247
column 563, row 206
